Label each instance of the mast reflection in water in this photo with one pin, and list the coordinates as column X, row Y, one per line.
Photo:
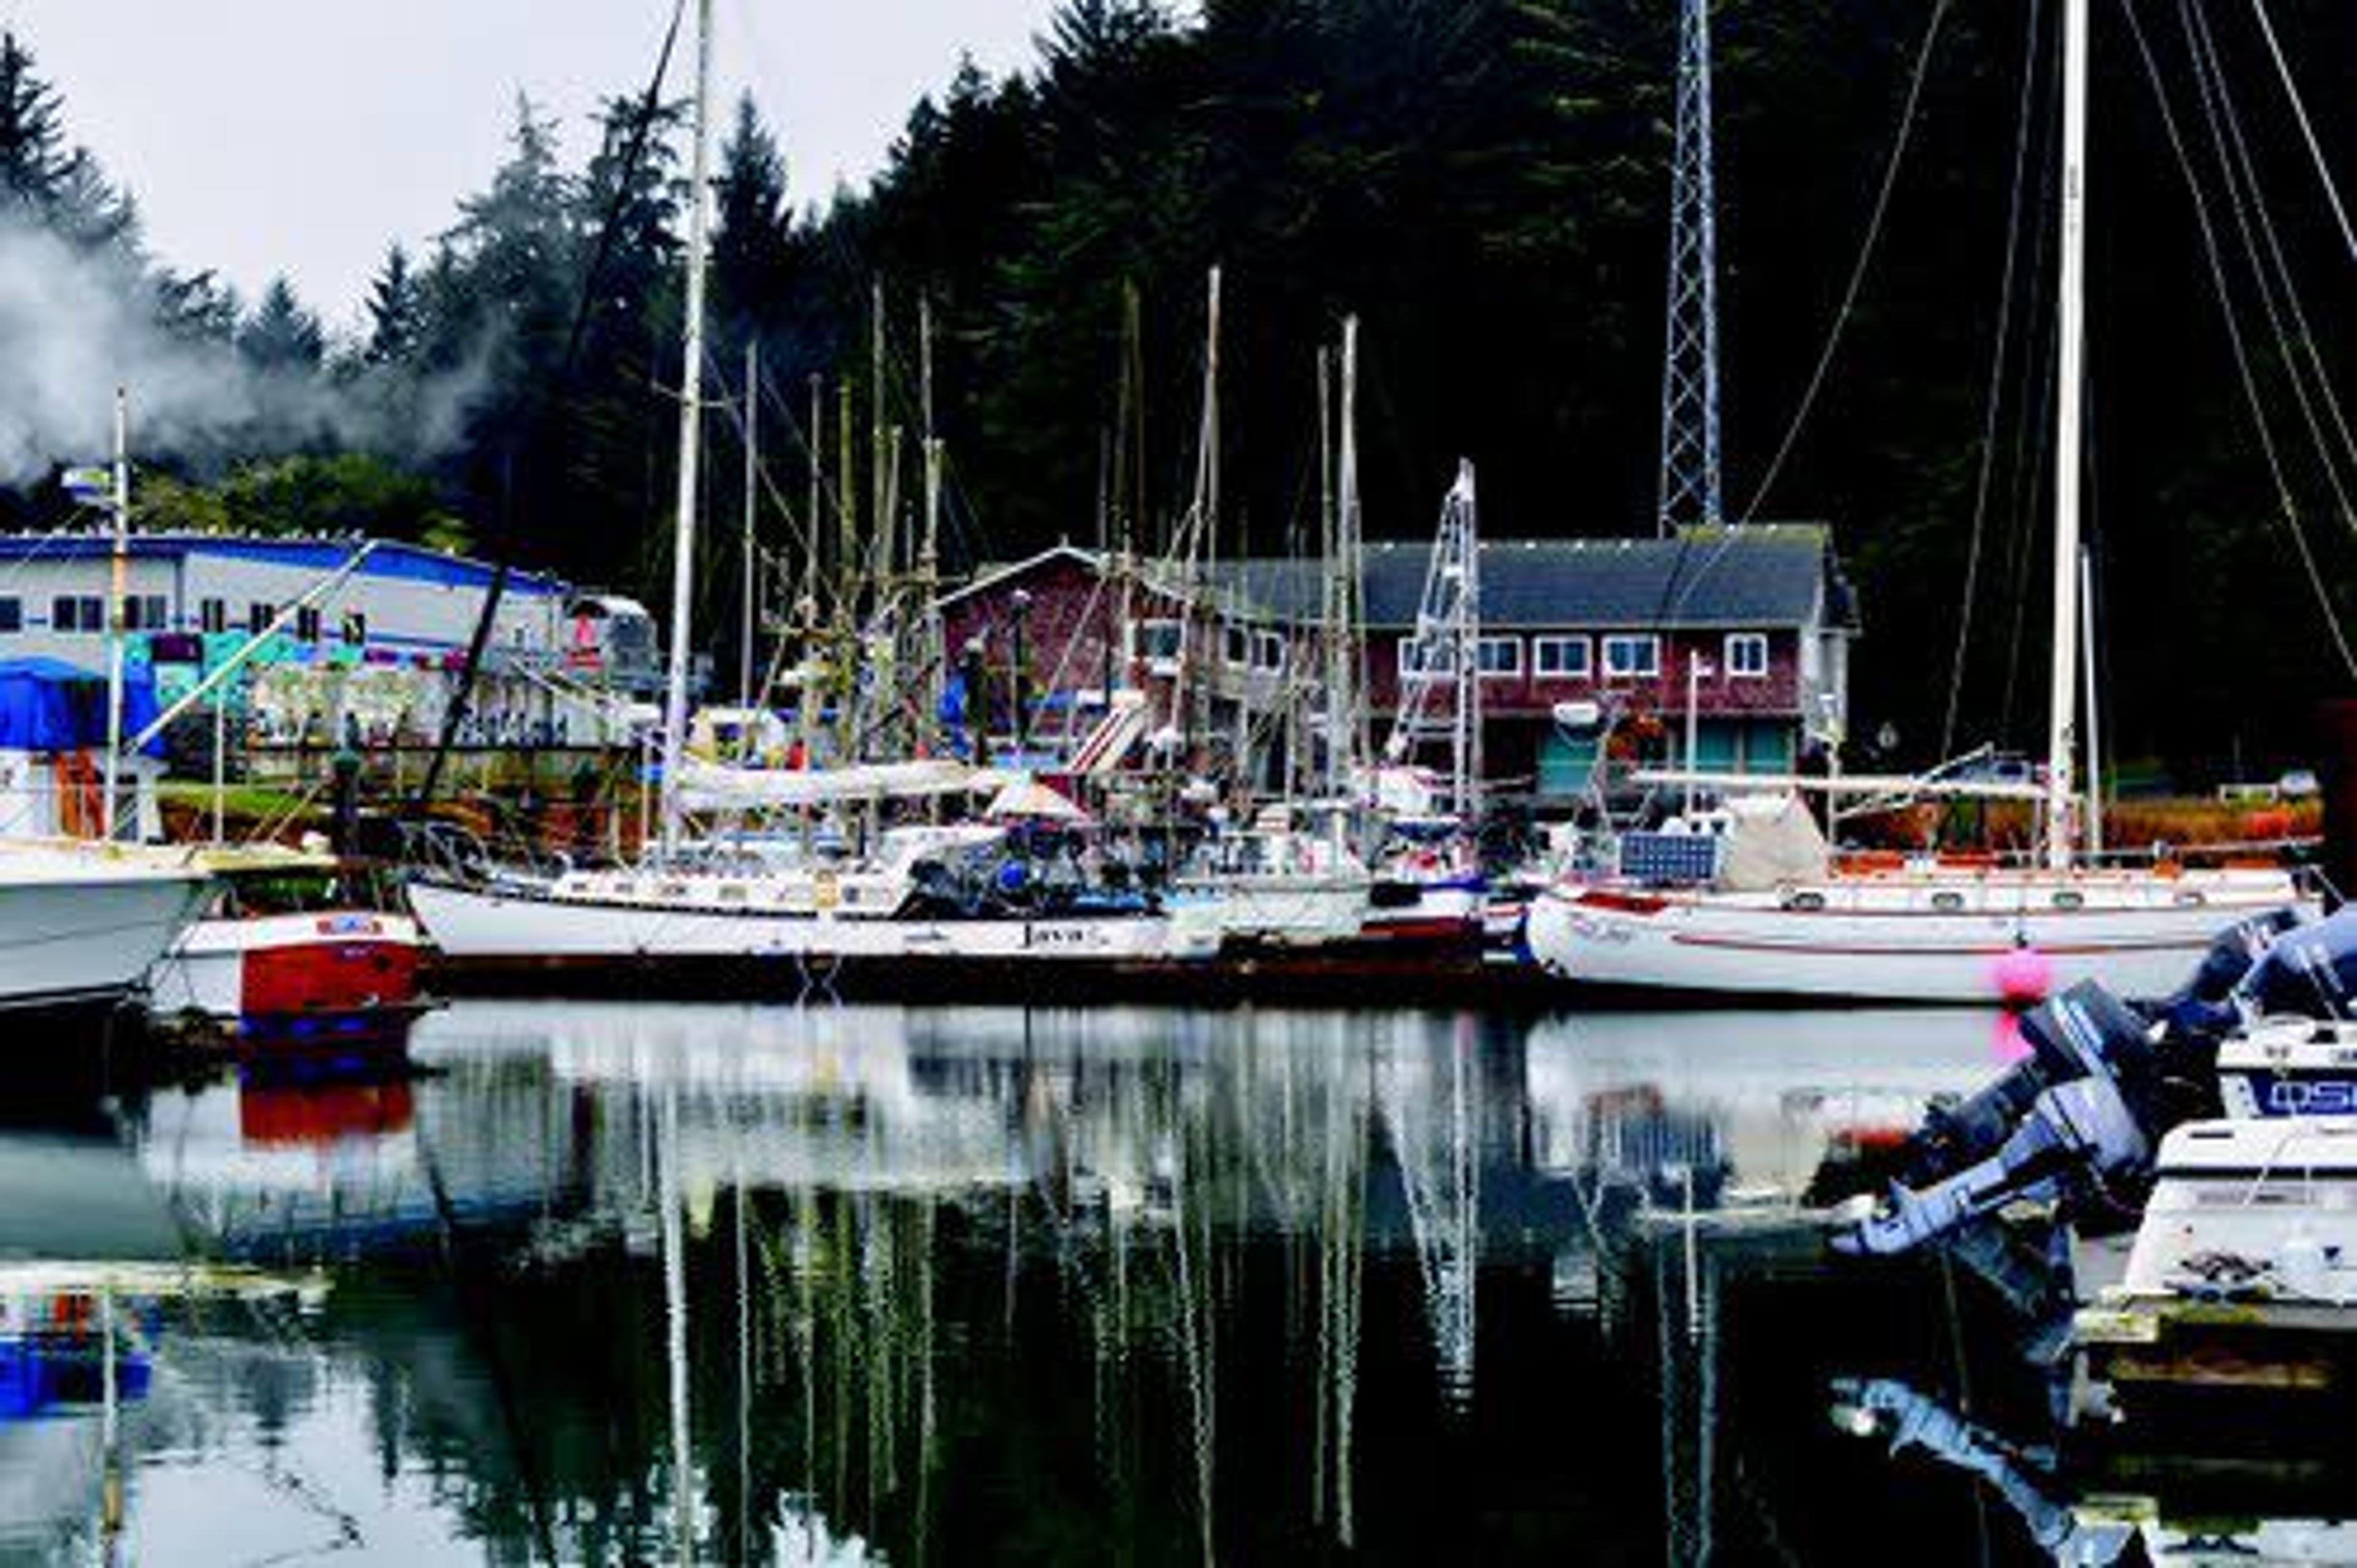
column 646, row 1282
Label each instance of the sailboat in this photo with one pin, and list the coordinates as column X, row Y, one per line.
column 1928, row 931
column 926, row 895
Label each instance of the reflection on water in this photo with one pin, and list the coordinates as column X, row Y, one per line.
column 646, row 1281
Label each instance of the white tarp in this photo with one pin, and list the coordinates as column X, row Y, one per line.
column 1771, row 839
column 716, row 786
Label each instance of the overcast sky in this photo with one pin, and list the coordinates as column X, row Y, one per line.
column 301, row 135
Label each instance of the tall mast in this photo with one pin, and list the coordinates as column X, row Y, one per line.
column 750, row 622
column 929, row 546
column 879, row 449
column 691, row 419
column 2061, row 738
column 1690, row 487
column 1342, row 578
column 118, row 595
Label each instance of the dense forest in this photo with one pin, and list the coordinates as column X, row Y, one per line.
column 1484, row 183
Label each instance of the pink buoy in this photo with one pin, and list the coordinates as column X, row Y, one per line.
column 2023, row 977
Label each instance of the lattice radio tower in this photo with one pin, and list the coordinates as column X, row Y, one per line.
column 1690, row 490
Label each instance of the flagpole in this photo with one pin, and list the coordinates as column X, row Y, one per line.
column 119, row 586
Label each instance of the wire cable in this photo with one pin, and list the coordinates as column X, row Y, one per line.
column 1865, row 258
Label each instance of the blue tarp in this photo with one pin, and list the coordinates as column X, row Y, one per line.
column 47, row 704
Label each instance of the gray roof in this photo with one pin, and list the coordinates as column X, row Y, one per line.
column 1764, row 575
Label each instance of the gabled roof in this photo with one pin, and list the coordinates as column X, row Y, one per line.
column 1762, row 574
column 1757, row 575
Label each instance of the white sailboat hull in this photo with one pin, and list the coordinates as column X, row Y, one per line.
column 518, row 927
column 79, row 927
column 1926, row 938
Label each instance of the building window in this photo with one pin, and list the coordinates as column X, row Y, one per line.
column 78, row 612
column 1411, row 665
column 1560, row 657
column 212, row 616
column 258, row 617
column 12, row 614
column 1237, row 644
column 1268, row 652
column 1501, row 658
column 354, row 628
column 143, row 612
column 1631, row 658
column 307, row 623
column 1747, row 655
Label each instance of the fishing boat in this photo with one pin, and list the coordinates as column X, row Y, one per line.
column 1923, row 929
column 290, row 944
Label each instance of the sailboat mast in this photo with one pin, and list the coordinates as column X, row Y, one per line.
column 748, row 631
column 1348, row 741
column 691, row 419
column 2061, row 799
column 119, row 590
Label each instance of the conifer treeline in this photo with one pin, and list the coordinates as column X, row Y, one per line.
column 1484, row 182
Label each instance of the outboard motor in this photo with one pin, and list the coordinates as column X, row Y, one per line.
column 2307, row 971
column 2084, row 1110
column 2206, row 1006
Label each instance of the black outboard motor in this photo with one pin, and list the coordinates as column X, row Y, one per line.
column 2308, row 970
column 2205, row 1005
column 2085, row 1110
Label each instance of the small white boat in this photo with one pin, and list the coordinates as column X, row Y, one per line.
column 1274, row 887
column 284, row 942
column 81, row 924
column 2255, row 1211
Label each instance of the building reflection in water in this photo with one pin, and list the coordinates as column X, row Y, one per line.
column 746, row 1284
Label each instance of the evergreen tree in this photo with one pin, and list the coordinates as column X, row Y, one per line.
column 752, row 244
column 282, row 335
column 32, row 142
column 395, row 311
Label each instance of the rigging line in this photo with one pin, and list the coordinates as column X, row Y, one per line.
column 1865, row 258
column 536, row 433
column 2234, row 338
column 1993, row 407
column 2033, row 429
column 2306, row 131
column 2250, row 199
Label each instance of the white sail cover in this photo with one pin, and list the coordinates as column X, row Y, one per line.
column 717, row 787
column 1772, row 839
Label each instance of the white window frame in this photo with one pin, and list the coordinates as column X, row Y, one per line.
column 1512, row 670
column 212, row 616
column 1649, row 642
column 1734, row 665
column 1236, row 647
column 1268, row 652
column 1160, row 659
column 1406, row 655
column 1585, row 669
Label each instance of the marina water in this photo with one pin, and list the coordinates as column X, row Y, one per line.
column 631, row 1282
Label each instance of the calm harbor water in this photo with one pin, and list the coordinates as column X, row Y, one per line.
column 636, row 1283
